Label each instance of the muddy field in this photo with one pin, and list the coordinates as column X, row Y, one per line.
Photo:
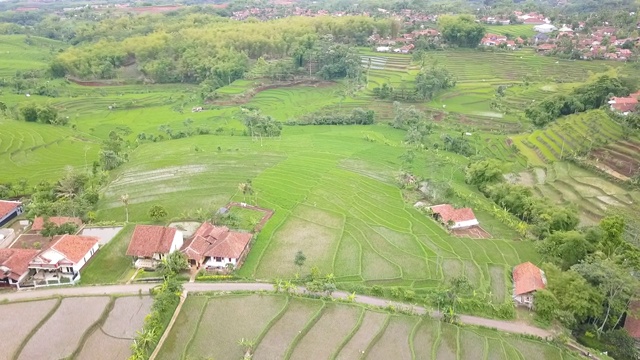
column 29, row 314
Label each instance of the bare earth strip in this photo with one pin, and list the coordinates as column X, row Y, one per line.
column 274, row 345
column 60, row 335
column 113, row 340
column 394, row 343
column 328, row 333
column 19, row 319
column 246, row 315
column 370, row 326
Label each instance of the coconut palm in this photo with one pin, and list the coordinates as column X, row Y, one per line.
column 125, row 200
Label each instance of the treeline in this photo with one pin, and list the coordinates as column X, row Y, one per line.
column 543, row 217
column 583, row 98
column 429, row 82
column 199, row 48
column 357, row 116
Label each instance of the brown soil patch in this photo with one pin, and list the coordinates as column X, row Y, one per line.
column 29, row 241
column 473, row 232
column 509, row 142
column 620, row 163
column 438, row 117
column 249, row 94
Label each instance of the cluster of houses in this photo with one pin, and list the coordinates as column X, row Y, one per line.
column 212, row 247
column 403, row 44
column 518, row 17
column 600, row 43
column 59, row 260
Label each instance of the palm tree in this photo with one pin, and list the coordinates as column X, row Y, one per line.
column 125, row 200
column 246, row 188
column 66, row 188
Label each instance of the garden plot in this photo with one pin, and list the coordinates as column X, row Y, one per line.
column 249, row 314
column 60, row 336
column 372, row 324
column 29, row 315
column 327, row 334
column 282, row 334
column 373, row 62
column 113, row 340
column 394, row 343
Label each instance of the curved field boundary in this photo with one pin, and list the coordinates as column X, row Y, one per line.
column 33, row 331
column 305, row 330
column 376, row 338
column 94, row 327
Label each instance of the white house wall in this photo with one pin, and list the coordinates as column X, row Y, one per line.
column 178, row 240
column 464, row 224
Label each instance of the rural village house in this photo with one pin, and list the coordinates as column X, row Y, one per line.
column 151, row 243
column 454, row 218
column 216, row 246
column 527, row 279
column 14, row 265
column 63, row 257
column 38, row 223
column 9, row 210
column 624, row 105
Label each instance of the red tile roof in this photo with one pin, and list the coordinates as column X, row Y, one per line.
column 16, row 261
column 151, row 239
column 73, row 247
column 7, row 207
column 448, row 212
column 38, row 223
column 527, row 278
column 632, row 322
column 216, row 241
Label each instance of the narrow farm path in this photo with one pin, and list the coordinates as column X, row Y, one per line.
column 502, row 325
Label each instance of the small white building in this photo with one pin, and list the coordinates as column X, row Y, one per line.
column 383, row 49
column 151, row 243
column 527, row 279
column 64, row 257
column 545, row 28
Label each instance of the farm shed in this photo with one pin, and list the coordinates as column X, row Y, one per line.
column 9, row 210
column 64, row 257
column 454, row 218
column 216, row 246
column 151, row 243
column 14, row 265
column 527, row 279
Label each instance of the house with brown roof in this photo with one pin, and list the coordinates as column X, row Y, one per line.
column 9, row 210
column 624, row 105
column 40, row 221
column 151, row 243
column 63, row 257
column 454, row 218
column 216, row 247
column 527, row 279
column 14, row 265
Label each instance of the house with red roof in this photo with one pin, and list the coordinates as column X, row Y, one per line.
column 527, row 279
column 624, row 105
column 152, row 243
column 63, row 257
column 217, row 247
column 9, row 210
column 14, row 265
column 39, row 222
column 454, row 218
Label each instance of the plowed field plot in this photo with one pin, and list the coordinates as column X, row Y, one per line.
column 61, row 334
column 300, row 328
column 29, row 315
column 113, row 339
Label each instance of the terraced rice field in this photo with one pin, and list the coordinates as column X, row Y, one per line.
column 78, row 327
column 295, row 328
column 19, row 54
column 513, row 30
column 362, row 231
